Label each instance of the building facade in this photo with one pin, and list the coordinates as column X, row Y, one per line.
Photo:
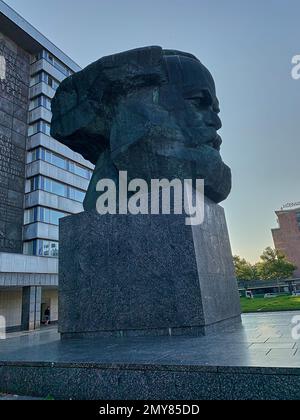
column 287, row 236
column 40, row 179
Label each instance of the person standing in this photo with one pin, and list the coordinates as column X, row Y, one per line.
column 47, row 316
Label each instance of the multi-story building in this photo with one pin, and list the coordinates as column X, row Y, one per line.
column 287, row 236
column 40, row 179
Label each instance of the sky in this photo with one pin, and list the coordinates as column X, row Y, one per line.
column 248, row 46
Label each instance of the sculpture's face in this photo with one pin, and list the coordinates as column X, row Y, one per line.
column 172, row 131
column 197, row 105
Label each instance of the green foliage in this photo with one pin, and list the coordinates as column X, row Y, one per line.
column 244, row 270
column 273, row 265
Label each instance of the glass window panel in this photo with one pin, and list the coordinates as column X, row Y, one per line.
column 34, row 103
column 41, row 214
column 42, row 153
column 59, row 161
column 47, row 156
column 34, row 155
column 28, row 216
column 71, row 167
column 32, row 129
column 59, row 189
column 47, row 185
column 34, row 80
column 76, row 195
column 55, row 84
column 79, row 170
column 47, row 129
column 28, row 248
column 45, row 218
column 46, row 248
column 39, row 246
column 48, row 103
column 53, row 249
column 55, row 216
column 34, row 183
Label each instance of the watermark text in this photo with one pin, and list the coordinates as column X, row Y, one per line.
column 296, row 328
column 296, row 67
column 2, row 328
column 161, row 197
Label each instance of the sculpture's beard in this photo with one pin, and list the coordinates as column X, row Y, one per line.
column 164, row 157
column 214, row 142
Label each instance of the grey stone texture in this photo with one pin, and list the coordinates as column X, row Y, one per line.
column 31, row 308
column 150, row 112
column 14, row 100
column 125, row 275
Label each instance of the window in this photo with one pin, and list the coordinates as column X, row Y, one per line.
column 76, row 195
column 41, row 100
column 55, row 187
column 35, row 183
column 29, row 248
column 51, row 216
column 39, row 127
column 43, row 215
column 59, row 161
column 33, row 155
column 42, row 248
column 54, row 61
column 50, row 81
column 47, row 248
column 34, row 80
column 44, row 77
column 29, row 216
column 81, row 171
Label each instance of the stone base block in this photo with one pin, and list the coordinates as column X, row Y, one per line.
column 125, row 275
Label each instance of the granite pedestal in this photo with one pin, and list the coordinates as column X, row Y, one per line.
column 126, row 275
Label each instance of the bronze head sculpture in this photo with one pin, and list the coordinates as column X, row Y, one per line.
column 150, row 112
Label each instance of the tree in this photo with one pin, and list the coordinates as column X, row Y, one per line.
column 274, row 265
column 244, row 270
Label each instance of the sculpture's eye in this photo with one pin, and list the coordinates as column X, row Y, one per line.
column 201, row 100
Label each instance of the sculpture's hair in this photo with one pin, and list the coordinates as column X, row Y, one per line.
column 87, row 99
column 179, row 53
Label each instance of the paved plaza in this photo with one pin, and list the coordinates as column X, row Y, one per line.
column 259, row 360
column 264, row 340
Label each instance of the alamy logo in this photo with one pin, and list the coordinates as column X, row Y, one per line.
column 296, row 328
column 137, row 197
column 2, row 68
column 296, row 67
column 2, row 328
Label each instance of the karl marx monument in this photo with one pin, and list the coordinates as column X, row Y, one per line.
column 154, row 114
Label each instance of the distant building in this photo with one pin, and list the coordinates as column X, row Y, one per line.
column 287, row 236
column 41, row 180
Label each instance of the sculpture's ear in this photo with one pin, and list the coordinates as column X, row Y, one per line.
column 83, row 107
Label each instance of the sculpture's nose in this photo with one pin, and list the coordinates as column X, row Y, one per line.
column 213, row 120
